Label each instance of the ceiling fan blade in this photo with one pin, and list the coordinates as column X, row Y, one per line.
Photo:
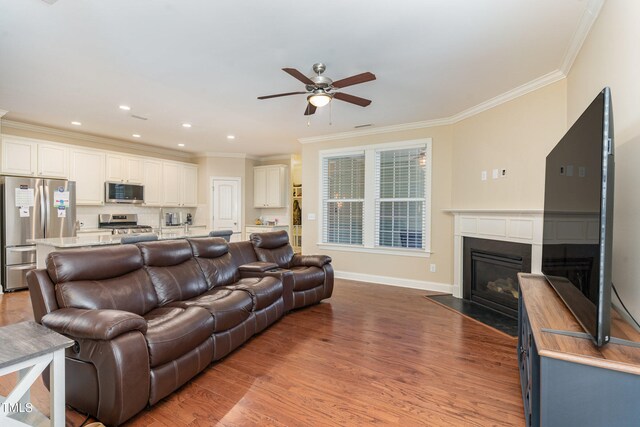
column 298, row 75
column 311, row 109
column 280, row 94
column 352, row 99
column 354, row 80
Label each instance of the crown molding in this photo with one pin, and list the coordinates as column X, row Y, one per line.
column 84, row 137
column 587, row 20
column 276, row 157
column 227, row 155
column 531, row 86
column 514, row 93
column 376, row 131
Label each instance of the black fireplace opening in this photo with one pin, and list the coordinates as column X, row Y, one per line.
column 490, row 273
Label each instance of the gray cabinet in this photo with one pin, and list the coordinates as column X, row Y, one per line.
column 567, row 381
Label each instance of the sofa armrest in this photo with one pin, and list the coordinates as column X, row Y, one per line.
column 93, row 324
column 258, row 266
column 310, row 260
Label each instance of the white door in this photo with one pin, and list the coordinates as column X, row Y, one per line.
column 227, row 205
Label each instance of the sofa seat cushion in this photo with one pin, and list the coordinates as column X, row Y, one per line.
column 228, row 307
column 175, row 331
column 305, row 278
column 263, row 290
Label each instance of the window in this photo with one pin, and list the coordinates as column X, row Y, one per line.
column 400, row 198
column 377, row 199
column 343, row 199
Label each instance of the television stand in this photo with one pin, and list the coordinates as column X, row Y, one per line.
column 584, row 335
column 566, row 380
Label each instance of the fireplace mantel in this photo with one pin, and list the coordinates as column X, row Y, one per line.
column 510, row 225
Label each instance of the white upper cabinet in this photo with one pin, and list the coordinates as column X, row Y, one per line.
column 180, row 184
column 269, row 184
column 122, row 168
column 53, row 161
column 87, row 170
column 166, row 183
column 171, row 184
column 152, row 181
column 189, row 186
column 22, row 156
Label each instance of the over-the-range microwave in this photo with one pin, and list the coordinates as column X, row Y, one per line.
column 118, row 192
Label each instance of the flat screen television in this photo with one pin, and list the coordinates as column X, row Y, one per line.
column 578, row 218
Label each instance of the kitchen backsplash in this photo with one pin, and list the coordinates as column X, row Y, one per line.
column 88, row 215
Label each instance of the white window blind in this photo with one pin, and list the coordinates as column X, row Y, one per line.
column 401, row 198
column 343, row 195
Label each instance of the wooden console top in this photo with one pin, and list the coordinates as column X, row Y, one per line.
column 546, row 310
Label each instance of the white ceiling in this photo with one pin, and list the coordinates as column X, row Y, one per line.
column 205, row 62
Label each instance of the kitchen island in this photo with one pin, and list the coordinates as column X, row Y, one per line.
column 45, row 246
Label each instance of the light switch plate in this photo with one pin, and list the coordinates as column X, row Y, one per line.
column 483, row 176
column 311, row 217
column 495, row 174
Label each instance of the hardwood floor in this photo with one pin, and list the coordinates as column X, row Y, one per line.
column 371, row 354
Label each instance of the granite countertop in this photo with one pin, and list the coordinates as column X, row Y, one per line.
column 267, row 226
column 84, row 241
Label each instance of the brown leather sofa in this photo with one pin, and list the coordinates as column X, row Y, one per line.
column 148, row 317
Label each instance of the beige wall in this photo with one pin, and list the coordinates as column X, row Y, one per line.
column 609, row 57
column 238, row 167
column 397, row 266
column 516, row 135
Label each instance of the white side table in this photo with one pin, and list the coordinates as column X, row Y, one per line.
column 28, row 348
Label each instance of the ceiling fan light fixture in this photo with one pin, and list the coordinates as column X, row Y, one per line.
column 319, row 99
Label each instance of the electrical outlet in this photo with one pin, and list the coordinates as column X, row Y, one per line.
column 483, row 176
column 432, row 268
column 311, row 217
column 495, row 174
column 582, row 171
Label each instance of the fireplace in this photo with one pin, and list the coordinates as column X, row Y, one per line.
column 490, row 269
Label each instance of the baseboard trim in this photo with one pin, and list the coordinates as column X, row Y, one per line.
column 394, row 281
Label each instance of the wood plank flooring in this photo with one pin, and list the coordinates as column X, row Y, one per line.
column 371, row 354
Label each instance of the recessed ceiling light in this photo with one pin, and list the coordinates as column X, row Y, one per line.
column 231, row 137
column 76, row 123
column 136, row 135
column 125, row 107
column 186, row 125
column 180, row 145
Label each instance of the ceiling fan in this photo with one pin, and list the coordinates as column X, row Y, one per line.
column 321, row 89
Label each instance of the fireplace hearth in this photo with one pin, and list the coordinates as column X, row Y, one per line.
column 490, row 269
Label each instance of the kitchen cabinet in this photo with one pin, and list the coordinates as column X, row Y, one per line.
column 22, row 156
column 171, row 183
column 180, row 184
column 152, row 181
column 189, row 182
column 127, row 169
column 269, row 183
column 53, row 161
column 87, row 170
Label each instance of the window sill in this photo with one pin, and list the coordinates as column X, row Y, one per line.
column 417, row 253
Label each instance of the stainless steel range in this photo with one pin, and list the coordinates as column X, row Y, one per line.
column 123, row 224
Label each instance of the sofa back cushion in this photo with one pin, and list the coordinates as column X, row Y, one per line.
column 273, row 247
column 174, row 272
column 102, row 278
column 218, row 266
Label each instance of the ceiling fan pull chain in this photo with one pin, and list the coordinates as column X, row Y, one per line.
column 330, row 114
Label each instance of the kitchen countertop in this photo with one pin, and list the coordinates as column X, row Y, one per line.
column 267, row 226
column 84, row 241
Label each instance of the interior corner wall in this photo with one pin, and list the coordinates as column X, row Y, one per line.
column 414, row 271
column 609, row 57
column 516, row 136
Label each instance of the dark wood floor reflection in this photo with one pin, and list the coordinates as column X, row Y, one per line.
column 371, row 354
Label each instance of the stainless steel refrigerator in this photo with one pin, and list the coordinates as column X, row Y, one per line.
column 32, row 209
